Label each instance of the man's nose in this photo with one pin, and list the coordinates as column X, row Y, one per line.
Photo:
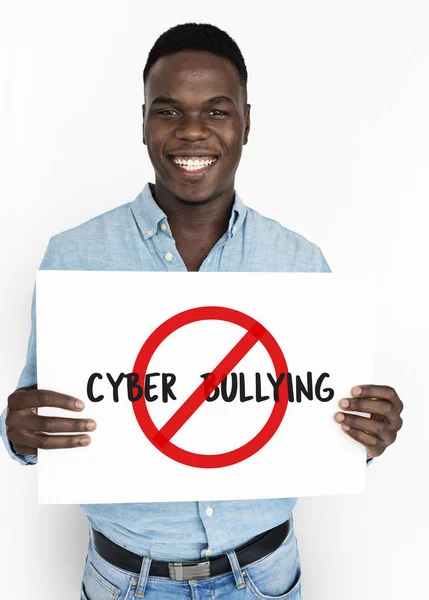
column 192, row 128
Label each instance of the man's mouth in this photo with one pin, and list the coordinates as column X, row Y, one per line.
column 193, row 164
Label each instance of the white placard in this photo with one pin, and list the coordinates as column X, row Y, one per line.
column 99, row 322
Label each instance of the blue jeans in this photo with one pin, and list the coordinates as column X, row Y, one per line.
column 276, row 576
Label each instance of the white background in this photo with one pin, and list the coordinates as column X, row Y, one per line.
column 337, row 151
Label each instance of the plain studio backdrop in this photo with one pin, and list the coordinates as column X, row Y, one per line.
column 337, row 152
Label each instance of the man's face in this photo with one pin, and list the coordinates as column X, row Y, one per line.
column 195, row 108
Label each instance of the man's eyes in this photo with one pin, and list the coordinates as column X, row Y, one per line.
column 215, row 110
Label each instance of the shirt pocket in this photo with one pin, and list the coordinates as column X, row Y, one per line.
column 96, row 587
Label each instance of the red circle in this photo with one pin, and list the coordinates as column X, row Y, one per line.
column 255, row 444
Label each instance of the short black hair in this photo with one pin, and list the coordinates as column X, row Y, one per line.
column 197, row 36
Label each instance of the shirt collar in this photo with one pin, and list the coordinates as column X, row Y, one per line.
column 150, row 216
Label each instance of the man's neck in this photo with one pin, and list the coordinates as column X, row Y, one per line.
column 195, row 221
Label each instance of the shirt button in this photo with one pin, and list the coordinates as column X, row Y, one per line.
column 150, row 232
column 234, row 229
column 168, row 256
column 208, row 551
column 209, row 511
column 163, row 227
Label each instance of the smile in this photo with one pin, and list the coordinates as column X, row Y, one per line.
column 194, row 164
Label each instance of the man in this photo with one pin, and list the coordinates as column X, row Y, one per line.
column 196, row 120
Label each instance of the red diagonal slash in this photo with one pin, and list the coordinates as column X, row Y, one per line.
column 197, row 398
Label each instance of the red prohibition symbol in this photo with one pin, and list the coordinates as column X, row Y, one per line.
column 255, row 332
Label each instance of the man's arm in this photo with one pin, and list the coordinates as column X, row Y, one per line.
column 28, row 377
column 26, row 380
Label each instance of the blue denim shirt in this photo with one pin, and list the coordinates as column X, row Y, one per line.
column 136, row 237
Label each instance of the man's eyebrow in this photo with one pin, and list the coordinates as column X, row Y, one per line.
column 165, row 100
column 220, row 100
column 214, row 100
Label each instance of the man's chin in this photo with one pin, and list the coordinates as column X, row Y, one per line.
column 193, row 194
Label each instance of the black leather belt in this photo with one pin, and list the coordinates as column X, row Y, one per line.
column 256, row 548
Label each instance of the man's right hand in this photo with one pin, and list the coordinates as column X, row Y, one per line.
column 25, row 428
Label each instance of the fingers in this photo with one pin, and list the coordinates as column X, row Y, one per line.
column 375, row 428
column 31, row 432
column 50, row 442
column 57, row 424
column 382, row 392
column 22, row 398
column 27, row 429
column 374, row 445
column 380, row 430
column 382, row 408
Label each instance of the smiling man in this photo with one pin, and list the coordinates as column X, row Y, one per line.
column 196, row 120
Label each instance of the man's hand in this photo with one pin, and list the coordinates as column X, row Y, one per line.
column 380, row 430
column 25, row 428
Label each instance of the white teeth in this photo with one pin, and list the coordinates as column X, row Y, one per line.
column 193, row 165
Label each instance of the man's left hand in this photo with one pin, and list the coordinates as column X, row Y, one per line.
column 380, row 430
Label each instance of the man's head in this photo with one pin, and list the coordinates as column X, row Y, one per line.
column 195, row 86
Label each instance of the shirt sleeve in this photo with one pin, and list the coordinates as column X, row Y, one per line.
column 28, row 374
column 321, row 265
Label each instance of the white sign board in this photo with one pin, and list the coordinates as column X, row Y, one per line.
column 240, row 376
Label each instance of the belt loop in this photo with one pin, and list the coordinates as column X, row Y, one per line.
column 144, row 574
column 236, row 569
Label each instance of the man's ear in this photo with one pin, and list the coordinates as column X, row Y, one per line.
column 247, row 124
column 143, row 110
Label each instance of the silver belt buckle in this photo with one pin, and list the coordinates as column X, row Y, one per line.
column 187, row 571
